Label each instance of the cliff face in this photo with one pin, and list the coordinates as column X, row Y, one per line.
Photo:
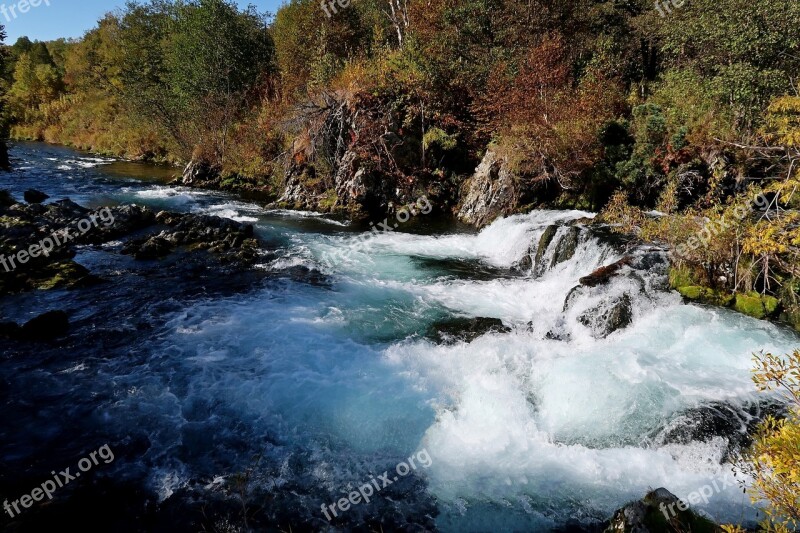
column 354, row 158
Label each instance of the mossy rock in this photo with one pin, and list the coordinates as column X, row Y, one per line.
column 692, row 292
column 756, row 305
column 706, row 295
column 61, row 276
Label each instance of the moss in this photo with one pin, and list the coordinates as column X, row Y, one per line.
column 681, row 277
column 328, row 200
column 770, row 304
column 751, row 304
column 692, row 292
column 706, row 295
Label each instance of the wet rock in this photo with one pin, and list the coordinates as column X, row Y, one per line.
column 609, row 317
column 231, row 241
column 46, row 327
column 541, row 249
column 733, row 422
column 6, row 199
column 464, row 329
column 32, row 196
column 566, row 246
column 603, row 275
column 490, row 193
column 659, row 511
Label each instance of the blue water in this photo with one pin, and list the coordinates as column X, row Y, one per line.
column 288, row 394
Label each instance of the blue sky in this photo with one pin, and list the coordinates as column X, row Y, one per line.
column 71, row 18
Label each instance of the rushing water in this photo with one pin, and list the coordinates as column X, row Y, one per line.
column 316, row 388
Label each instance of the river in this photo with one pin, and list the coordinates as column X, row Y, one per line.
column 307, row 391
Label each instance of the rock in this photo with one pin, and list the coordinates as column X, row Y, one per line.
column 46, row 327
column 464, row 329
column 658, row 512
column 603, row 275
column 231, row 241
column 566, row 247
column 5, row 163
column 541, row 249
column 359, row 189
column 490, row 193
column 608, row 317
column 199, row 173
column 9, row 330
column 6, row 199
column 736, row 423
column 32, row 196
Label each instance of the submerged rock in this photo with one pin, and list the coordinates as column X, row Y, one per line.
column 46, row 327
column 734, row 423
column 490, row 193
column 659, row 511
column 60, row 226
column 464, row 329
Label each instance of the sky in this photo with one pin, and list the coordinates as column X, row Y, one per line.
column 71, row 18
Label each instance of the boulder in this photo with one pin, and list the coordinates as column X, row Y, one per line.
column 32, row 196
column 6, row 199
column 490, row 193
column 46, row 327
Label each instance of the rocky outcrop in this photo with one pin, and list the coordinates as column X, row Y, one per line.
column 490, row 193
column 200, row 173
column 230, row 241
column 659, row 511
column 604, row 301
column 26, row 231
